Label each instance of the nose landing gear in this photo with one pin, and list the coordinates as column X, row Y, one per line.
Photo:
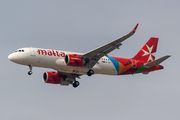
column 30, row 72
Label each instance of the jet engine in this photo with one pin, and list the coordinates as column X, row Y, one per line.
column 74, row 60
column 52, row 77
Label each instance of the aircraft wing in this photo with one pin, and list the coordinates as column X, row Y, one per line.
column 93, row 56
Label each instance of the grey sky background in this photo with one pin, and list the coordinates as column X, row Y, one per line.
column 80, row 26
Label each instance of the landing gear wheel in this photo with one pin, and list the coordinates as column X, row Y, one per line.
column 75, row 84
column 30, row 72
column 90, row 72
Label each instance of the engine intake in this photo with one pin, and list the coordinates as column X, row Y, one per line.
column 52, row 77
column 74, row 60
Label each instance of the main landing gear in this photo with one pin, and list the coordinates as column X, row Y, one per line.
column 30, row 72
column 76, row 84
column 70, row 81
column 90, row 72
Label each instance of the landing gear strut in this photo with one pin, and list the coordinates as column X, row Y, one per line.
column 75, row 84
column 30, row 72
column 90, row 72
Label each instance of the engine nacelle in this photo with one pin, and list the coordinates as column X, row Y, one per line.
column 52, row 77
column 74, row 60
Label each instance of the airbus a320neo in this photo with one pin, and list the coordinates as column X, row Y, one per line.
column 71, row 65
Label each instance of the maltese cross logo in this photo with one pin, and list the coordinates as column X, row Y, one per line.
column 149, row 52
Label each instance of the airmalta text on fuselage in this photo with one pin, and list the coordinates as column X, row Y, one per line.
column 51, row 53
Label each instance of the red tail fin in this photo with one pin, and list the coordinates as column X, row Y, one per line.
column 147, row 53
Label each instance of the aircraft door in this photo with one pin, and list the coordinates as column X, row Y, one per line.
column 34, row 56
column 32, row 52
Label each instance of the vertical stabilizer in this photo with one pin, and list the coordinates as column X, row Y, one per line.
column 148, row 51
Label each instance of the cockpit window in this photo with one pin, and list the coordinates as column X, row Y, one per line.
column 19, row 51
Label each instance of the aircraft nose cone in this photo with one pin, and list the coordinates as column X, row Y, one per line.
column 10, row 57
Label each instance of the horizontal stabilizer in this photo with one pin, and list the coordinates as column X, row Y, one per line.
column 157, row 62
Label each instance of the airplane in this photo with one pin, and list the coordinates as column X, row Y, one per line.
column 71, row 65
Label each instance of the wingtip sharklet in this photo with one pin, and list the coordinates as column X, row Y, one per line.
column 135, row 28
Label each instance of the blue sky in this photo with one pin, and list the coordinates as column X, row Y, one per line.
column 81, row 26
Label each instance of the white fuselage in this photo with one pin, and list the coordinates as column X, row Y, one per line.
column 54, row 59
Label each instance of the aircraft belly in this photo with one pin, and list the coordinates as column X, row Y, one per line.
column 59, row 65
column 101, row 68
